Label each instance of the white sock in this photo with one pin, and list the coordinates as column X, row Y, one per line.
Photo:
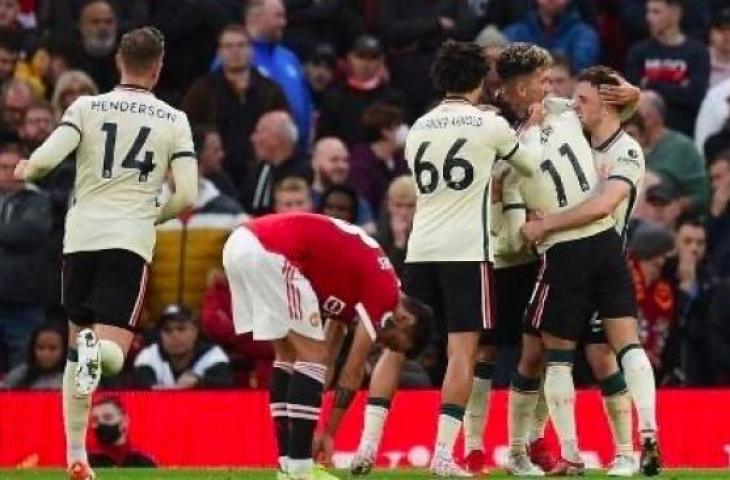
column 298, row 466
column 640, row 380
column 560, row 397
column 521, row 408
column 112, row 357
column 375, row 417
column 476, row 414
column 541, row 417
column 75, row 416
column 618, row 411
column 448, row 430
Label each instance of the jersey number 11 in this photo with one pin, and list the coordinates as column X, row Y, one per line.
column 130, row 159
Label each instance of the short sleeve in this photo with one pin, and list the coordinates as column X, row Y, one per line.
column 628, row 166
column 183, row 146
column 504, row 137
column 378, row 301
column 73, row 116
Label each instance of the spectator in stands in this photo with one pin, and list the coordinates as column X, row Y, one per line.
column 274, row 142
column 181, row 359
column 10, row 23
column 45, row 361
column 675, row 66
column 97, row 44
column 412, row 31
column 557, row 26
column 649, row 249
column 396, row 221
column 60, row 18
column 265, row 22
column 252, row 359
column 331, row 167
column 695, row 18
column 335, row 22
column 232, row 99
column 340, row 202
column 9, row 56
column 292, row 194
column 37, row 125
column 378, row 160
column 562, row 76
column 685, row 358
column 720, row 47
column 210, row 198
column 673, row 155
column 343, row 106
column 209, row 150
column 110, row 424
column 25, row 221
column 718, row 221
column 71, row 85
column 16, row 97
column 664, row 205
column 320, row 70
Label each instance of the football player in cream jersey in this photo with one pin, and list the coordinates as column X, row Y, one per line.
column 621, row 158
column 125, row 142
column 451, row 151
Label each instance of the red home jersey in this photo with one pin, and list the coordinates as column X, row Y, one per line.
column 346, row 267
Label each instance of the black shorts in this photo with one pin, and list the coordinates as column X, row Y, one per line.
column 105, row 286
column 460, row 293
column 578, row 279
column 512, row 287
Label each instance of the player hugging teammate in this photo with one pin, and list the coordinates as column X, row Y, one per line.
column 574, row 289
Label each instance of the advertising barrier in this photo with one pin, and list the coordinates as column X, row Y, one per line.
column 233, row 428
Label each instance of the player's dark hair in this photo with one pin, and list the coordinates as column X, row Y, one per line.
column 599, row 75
column 519, row 59
column 142, row 48
column 380, row 116
column 459, row 67
column 424, row 321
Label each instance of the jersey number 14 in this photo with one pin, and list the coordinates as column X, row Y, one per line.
column 130, row 159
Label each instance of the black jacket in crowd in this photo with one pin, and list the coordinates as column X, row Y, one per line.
column 258, row 190
column 25, row 222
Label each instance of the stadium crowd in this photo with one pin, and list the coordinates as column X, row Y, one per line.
column 304, row 105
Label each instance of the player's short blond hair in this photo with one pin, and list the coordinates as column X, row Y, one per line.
column 518, row 59
column 141, row 49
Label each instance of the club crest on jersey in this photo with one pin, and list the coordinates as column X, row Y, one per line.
column 631, row 160
column 333, row 305
column 633, row 153
column 545, row 134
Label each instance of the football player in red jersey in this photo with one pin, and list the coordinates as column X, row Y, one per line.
column 296, row 279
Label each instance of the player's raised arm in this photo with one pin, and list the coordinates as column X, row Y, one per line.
column 184, row 168
column 64, row 140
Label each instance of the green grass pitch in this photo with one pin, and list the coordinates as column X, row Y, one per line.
column 219, row 474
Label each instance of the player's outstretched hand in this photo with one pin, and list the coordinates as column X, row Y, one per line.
column 622, row 94
column 534, row 231
column 323, row 447
column 20, row 169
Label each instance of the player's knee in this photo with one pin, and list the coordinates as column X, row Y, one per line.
column 602, row 360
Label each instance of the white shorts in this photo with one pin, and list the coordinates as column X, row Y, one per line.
column 270, row 297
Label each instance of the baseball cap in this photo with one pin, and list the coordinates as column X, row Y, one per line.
column 176, row 312
column 651, row 240
column 367, row 46
column 721, row 18
column 323, row 54
column 661, row 194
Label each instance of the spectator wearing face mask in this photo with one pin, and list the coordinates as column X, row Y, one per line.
column 343, row 106
column 379, row 159
column 110, row 424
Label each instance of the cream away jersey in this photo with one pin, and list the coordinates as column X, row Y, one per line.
column 621, row 158
column 450, row 151
column 127, row 140
column 566, row 173
column 507, row 247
